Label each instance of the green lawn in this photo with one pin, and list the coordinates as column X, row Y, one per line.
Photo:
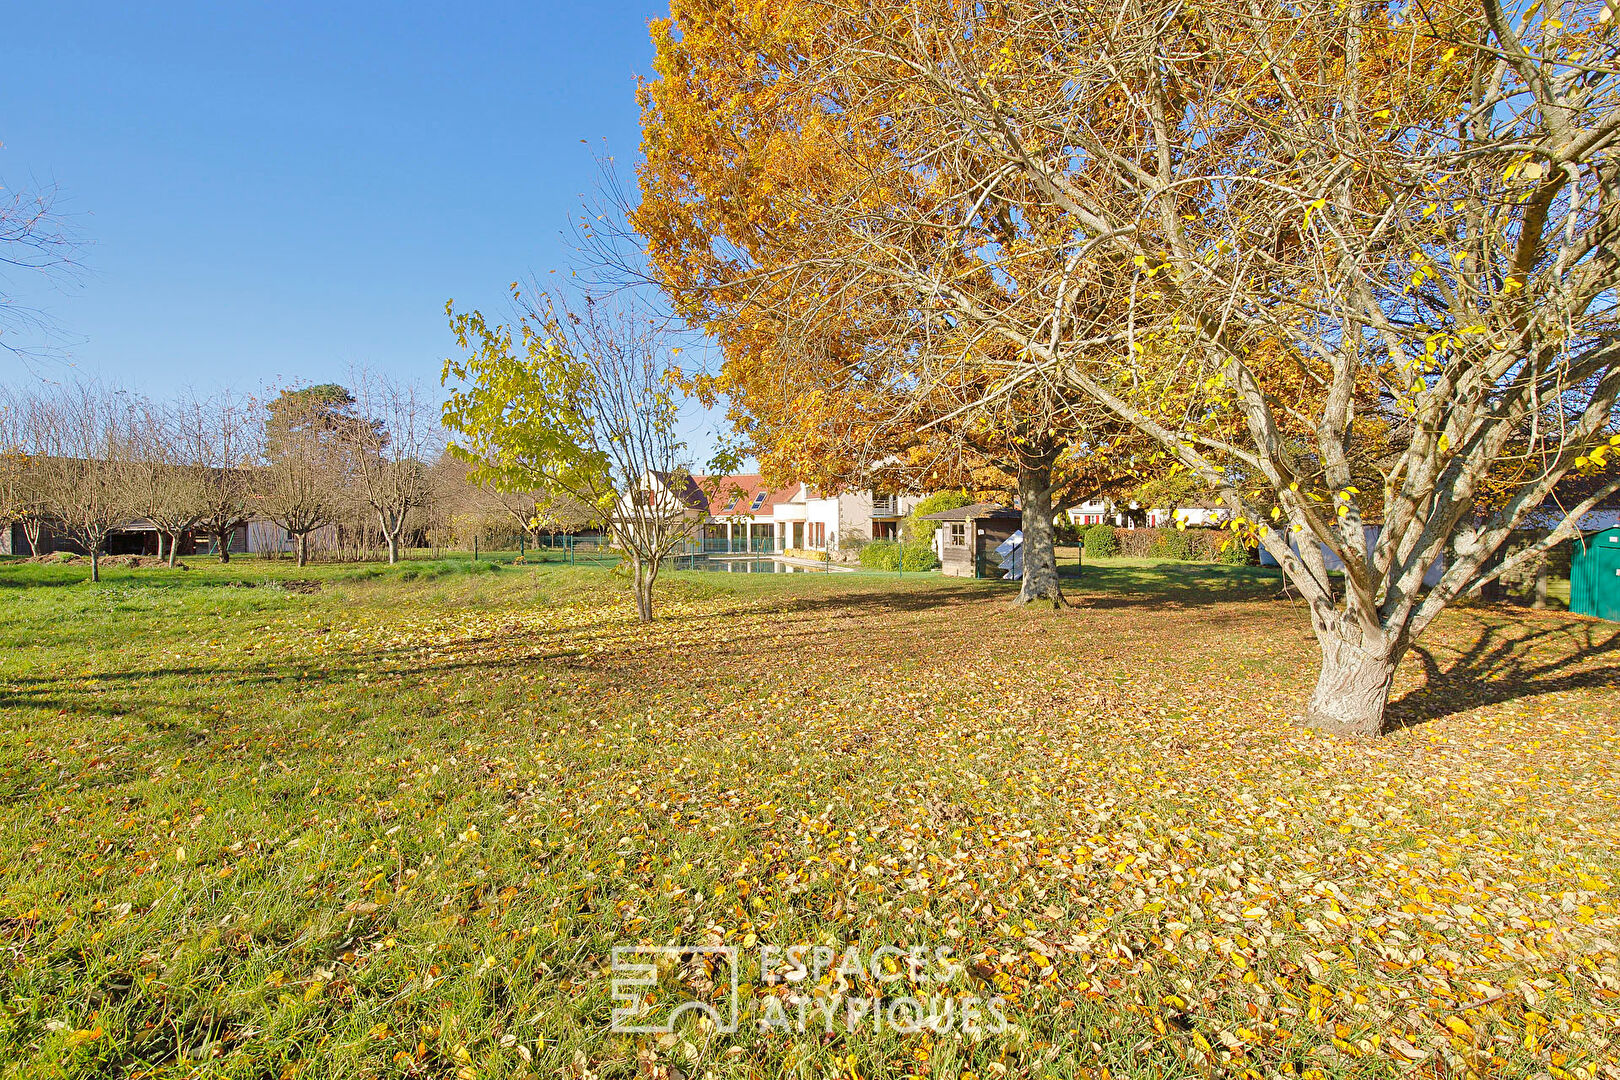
column 356, row 821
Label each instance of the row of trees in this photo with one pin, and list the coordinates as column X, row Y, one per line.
column 1342, row 264
column 84, row 461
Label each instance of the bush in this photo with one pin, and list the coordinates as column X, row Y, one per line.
column 807, row 554
column 1235, row 553
column 1192, row 544
column 1101, row 542
column 880, row 555
column 919, row 557
column 1171, row 544
column 919, row 531
column 886, row 555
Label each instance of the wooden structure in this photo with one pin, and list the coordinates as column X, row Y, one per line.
column 1594, row 574
column 969, row 536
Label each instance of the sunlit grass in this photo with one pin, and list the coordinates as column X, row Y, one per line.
column 393, row 825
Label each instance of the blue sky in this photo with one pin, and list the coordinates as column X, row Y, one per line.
column 272, row 192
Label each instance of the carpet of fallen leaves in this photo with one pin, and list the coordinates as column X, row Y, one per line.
column 391, row 832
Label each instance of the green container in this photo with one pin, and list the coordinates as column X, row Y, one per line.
column 1594, row 574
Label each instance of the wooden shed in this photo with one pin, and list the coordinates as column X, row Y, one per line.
column 969, row 535
column 1594, row 574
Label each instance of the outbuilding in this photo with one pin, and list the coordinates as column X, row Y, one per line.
column 969, row 536
column 1594, row 574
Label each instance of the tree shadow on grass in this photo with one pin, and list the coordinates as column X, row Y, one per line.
column 1507, row 661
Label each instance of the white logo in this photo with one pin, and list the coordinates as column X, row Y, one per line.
column 708, row 977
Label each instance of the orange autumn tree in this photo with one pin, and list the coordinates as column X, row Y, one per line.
column 830, row 377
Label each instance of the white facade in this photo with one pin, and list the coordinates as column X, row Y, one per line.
column 1108, row 512
column 823, row 522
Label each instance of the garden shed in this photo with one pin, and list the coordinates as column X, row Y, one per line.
column 968, row 536
column 1594, row 574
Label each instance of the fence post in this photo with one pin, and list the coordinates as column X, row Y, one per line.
column 475, row 547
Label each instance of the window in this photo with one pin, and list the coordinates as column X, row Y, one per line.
column 759, row 501
column 958, row 533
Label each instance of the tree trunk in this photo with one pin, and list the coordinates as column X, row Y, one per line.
column 160, row 539
column 393, row 547
column 222, row 540
column 1040, row 581
column 1540, row 602
column 95, row 562
column 32, row 527
column 174, row 549
column 301, row 546
column 644, row 579
column 1352, row 690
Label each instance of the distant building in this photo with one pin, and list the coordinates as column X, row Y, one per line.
column 743, row 513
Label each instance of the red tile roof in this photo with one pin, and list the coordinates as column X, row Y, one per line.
column 740, row 496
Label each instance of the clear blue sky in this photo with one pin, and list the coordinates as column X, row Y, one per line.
column 271, row 192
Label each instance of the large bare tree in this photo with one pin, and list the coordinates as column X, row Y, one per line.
column 35, row 241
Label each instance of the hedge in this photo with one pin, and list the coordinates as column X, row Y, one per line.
column 1183, row 545
column 885, row 555
column 1100, row 542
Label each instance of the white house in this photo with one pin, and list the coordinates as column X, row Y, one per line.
column 743, row 513
column 1109, row 512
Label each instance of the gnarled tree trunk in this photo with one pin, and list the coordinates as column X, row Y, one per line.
column 222, row 540
column 1352, row 689
column 1040, row 582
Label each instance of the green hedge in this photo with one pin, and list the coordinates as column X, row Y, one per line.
column 1100, row 542
column 886, row 555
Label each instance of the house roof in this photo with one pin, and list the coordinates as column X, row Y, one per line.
column 976, row 512
column 687, row 490
column 745, row 495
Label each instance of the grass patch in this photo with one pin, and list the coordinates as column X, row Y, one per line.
column 394, row 825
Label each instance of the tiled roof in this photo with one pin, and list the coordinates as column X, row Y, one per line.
column 745, row 495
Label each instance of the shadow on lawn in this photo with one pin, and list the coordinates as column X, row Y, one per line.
column 1509, row 661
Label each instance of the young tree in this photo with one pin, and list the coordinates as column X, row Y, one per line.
column 218, row 439
column 165, row 488
column 388, row 453
column 1352, row 239
column 302, row 482
column 585, row 407
column 24, row 427
column 86, row 466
